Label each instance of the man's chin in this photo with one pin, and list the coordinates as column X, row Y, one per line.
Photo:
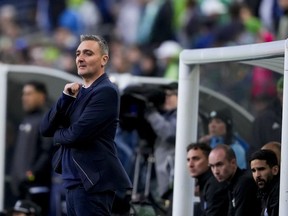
column 81, row 72
column 261, row 185
column 220, row 179
column 85, row 74
column 194, row 175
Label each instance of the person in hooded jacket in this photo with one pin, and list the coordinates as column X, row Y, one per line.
column 220, row 131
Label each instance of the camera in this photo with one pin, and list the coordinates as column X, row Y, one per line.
column 133, row 107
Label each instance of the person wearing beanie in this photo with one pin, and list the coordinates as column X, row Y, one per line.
column 220, row 131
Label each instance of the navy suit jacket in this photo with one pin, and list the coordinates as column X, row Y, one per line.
column 87, row 125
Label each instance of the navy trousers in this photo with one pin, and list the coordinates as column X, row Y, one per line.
column 82, row 203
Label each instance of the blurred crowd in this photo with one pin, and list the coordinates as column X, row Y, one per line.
column 145, row 36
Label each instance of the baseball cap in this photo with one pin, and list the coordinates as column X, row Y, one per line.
column 168, row 49
column 26, row 206
column 212, row 7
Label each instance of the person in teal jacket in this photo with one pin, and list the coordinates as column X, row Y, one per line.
column 220, row 131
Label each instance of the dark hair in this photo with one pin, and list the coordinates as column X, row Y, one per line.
column 204, row 147
column 39, row 86
column 173, row 87
column 265, row 154
column 101, row 41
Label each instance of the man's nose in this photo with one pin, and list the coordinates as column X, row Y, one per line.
column 190, row 164
column 257, row 173
column 216, row 170
column 80, row 57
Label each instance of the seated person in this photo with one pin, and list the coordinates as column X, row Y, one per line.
column 213, row 195
column 220, row 131
column 275, row 147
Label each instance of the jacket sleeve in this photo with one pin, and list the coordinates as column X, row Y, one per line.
column 216, row 200
column 100, row 112
column 56, row 116
column 246, row 199
column 42, row 164
column 163, row 127
column 274, row 202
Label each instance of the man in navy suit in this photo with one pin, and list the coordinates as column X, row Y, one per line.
column 83, row 123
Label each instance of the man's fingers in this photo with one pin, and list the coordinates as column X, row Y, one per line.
column 72, row 88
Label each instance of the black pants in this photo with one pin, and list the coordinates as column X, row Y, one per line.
column 82, row 203
column 43, row 200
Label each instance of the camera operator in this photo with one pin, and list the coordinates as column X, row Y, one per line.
column 163, row 124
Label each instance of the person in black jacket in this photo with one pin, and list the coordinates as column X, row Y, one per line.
column 242, row 191
column 213, row 195
column 265, row 171
column 83, row 125
column 267, row 125
column 31, row 162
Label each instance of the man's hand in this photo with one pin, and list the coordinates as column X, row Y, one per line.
column 72, row 89
column 30, row 176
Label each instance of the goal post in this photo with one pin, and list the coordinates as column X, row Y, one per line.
column 270, row 55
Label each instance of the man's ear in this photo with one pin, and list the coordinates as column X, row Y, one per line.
column 234, row 162
column 275, row 170
column 104, row 60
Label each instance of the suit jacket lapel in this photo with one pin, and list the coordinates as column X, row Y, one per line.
column 82, row 96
